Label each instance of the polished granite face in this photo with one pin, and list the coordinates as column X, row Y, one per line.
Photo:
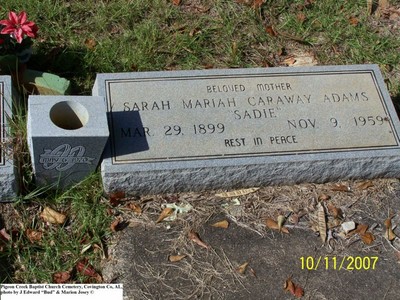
column 196, row 130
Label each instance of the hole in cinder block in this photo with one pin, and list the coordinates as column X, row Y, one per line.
column 69, row 115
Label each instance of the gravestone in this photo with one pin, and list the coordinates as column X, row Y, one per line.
column 66, row 137
column 211, row 129
column 8, row 183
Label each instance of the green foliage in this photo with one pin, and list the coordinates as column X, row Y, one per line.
column 60, row 246
column 156, row 35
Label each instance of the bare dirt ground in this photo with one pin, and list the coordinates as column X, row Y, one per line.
column 248, row 259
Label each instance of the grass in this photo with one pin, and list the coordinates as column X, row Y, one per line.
column 79, row 39
column 60, row 246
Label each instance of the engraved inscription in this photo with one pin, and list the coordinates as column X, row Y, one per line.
column 249, row 115
column 139, row 106
column 64, row 157
column 208, row 103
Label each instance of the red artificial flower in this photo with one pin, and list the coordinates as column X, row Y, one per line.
column 18, row 26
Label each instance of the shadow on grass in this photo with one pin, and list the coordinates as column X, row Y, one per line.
column 64, row 61
column 396, row 102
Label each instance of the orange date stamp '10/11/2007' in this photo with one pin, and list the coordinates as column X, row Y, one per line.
column 349, row 263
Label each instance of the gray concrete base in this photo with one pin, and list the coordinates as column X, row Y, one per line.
column 153, row 178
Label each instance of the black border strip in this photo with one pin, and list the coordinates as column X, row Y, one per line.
column 257, row 154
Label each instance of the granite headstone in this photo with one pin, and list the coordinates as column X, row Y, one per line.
column 196, row 130
column 8, row 183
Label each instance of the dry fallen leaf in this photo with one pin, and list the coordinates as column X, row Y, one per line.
column 393, row 14
column 135, row 208
column 33, row 235
column 85, row 268
column 234, row 48
column 367, row 238
column 290, row 61
column 364, row 185
column 52, row 216
column 176, row 258
column 294, row 218
column 116, row 197
column 388, row 223
column 247, row 2
column 389, row 234
column 4, row 235
column 270, row 30
column 294, row 289
column 237, row 193
column 61, row 277
column 362, row 228
column 289, row 285
column 383, row 4
column 194, row 32
column 86, row 248
column 90, row 44
column 252, row 3
column 300, row 59
column 369, row 6
column 252, row 272
column 334, row 211
column 324, row 197
column 284, row 230
column 257, row 3
column 281, row 220
column 97, row 249
column 301, row 17
column 272, row 224
column 353, row 21
column 194, row 237
column 115, row 223
column 321, row 222
column 4, row 238
column 298, row 292
column 221, row 224
column 176, row 2
column 242, row 268
column 308, row 3
column 340, row 188
column 164, row 214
